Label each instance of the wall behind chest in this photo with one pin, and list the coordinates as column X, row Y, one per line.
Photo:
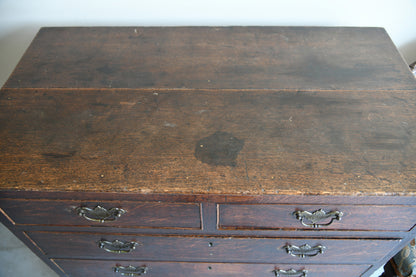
column 20, row 20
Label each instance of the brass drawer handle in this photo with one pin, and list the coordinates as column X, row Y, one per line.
column 100, row 214
column 117, row 246
column 304, row 250
column 290, row 272
column 130, row 270
column 313, row 219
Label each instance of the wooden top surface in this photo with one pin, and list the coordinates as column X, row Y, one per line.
column 206, row 57
column 239, row 139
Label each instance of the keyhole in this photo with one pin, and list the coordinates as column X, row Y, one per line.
column 210, row 244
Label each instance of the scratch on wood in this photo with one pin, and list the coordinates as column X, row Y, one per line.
column 59, row 155
column 168, row 124
column 247, row 177
column 128, row 103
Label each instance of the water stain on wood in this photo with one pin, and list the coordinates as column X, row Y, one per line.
column 220, row 148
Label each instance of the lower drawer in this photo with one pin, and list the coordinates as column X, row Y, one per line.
column 99, row 268
column 214, row 249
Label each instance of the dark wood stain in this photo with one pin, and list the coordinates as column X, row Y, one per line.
column 220, row 148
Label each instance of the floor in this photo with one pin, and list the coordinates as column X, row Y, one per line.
column 16, row 260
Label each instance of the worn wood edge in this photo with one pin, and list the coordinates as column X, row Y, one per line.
column 210, row 192
column 211, row 198
column 215, row 26
column 97, row 232
column 220, row 192
column 295, row 234
column 185, row 89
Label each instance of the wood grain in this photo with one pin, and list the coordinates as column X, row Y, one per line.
column 207, row 57
column 315, row 142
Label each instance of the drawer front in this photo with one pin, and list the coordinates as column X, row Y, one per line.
column 172, row 248
column 332, row 217
column 99, row 268
column 116, row 214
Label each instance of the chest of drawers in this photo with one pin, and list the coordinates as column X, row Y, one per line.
column 210, row 151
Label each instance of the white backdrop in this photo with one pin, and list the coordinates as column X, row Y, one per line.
column 20, row 19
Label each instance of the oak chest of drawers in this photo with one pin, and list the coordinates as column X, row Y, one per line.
column 210, row 151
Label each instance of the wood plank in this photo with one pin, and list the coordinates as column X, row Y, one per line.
column 213, row 57
column 262, row 142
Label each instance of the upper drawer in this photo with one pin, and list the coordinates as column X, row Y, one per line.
column 109, row 213
column 330, row 217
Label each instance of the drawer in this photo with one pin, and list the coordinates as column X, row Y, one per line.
column 352, row 217
column 175, row 248
column 130, row 213
column 100, row 268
